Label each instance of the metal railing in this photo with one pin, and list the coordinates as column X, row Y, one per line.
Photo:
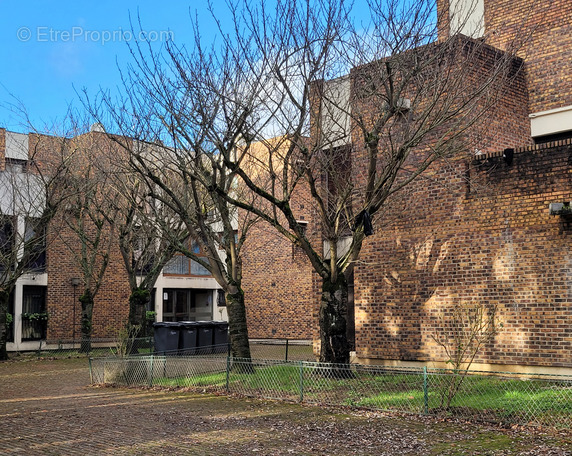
column 282, row 349
column 73, row 348
column 503, row 398
column 277, row 349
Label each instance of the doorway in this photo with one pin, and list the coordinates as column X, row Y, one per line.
column 187, row 304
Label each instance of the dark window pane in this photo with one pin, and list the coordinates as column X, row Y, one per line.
column 178, row 265
column 34, row 307
column 181, row 302
column 197, row 269
column 35, row 245
column 6, row 240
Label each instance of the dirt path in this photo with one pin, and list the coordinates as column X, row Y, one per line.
column 48, row 408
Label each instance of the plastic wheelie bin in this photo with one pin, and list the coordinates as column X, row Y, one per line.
column 189, row 336
column 220, row 336
column 205, row 337
column 166, row 335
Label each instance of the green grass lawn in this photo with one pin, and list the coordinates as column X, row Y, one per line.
column 498, row 398
column 216, row 380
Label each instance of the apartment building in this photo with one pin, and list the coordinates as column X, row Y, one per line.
column 481, row 229
column 44, row 306
column 487, row 227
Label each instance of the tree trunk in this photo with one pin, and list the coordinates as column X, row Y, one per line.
column 86, row 300
column 137, row 310
column 137, row 317
column 238, row 330
column 4, row 300
column 333, row 313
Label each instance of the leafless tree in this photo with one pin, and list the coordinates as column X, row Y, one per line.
column 147, row 233
column 465, row 329
column 365, row 114
column 88, row 222
column 163, row 130
column 360, row 115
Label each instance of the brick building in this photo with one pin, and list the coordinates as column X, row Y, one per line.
column 52, row 286
column 278, row 279
column 488, row 236
column 478, row 230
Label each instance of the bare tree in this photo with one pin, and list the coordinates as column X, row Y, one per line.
column 365, row 114
column 147, row 237
column 361, row 115
column 181, row 186
column 88, row 222
column 465, row 329
column 177, row 168
column 195, row 221
column 30, row 196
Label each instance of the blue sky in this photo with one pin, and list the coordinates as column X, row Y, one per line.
column 50, row 49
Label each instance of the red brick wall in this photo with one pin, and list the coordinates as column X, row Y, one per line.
column 545, row 31
column 493, row 242
column 471, row 231
column 277, row 275
column 546, row 28
column 111, row 303
column 501, row 112
column 278, row 286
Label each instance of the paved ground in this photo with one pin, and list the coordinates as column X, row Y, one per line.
column 48, row 408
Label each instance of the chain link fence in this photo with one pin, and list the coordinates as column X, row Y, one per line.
column 282, row 369
column 501, row 398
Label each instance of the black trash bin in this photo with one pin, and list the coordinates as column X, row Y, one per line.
column 166, row 336
column 189, row 336
column 205, row 337
column 220, row 336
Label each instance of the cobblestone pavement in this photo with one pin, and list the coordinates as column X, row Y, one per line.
column 49, row 408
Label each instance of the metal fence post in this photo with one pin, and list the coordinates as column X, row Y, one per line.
column 227, row 372
column 286, row 350
column 151, row 371
column 301, row 381
column 90, row 371
column 425, row 392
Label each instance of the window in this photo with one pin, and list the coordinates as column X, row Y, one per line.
column 184, row 266
column 16, row 166
column 303, row 227
column 178, row 265
column 10, row 327
column 35, row 245
column 195, row 248
column 337, row 178
column 221, row 239
column 7, row 241
column 220, row 299
column 551, row 138
column 198, row 269
column 34, row 316
column 187, row 304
